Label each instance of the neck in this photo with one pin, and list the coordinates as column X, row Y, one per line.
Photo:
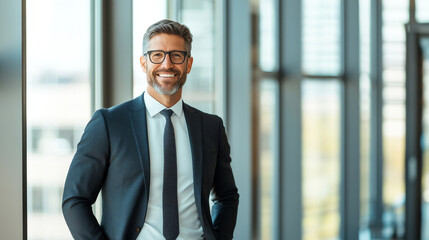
column 166, row 100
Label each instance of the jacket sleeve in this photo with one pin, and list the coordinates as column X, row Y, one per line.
column 225, row 193
column 85, row 179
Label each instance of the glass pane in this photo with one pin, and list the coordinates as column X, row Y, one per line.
column 394, row 16
column 422, row 10
column 321, row 118
column 365, row 149
column 199, row 90
column 267, row 36
column 145, row 13
column 58, row 105
column 268, row 143
column 425, row 141
column 365, row 118
column 321, row 37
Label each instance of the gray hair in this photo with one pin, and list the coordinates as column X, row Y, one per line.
column 168, row 27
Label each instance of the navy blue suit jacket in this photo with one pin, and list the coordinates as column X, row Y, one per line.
column 113, row 156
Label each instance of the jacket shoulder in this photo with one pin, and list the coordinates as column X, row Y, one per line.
column 205, row 116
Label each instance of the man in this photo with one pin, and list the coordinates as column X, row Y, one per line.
column 155, row 159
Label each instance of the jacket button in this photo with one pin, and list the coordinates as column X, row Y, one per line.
column 138, row 229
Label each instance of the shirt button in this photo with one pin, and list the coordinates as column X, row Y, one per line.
column 137, row 229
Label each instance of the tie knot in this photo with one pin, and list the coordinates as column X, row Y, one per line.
column 167, row 113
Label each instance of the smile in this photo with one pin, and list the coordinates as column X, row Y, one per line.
column 166, row 75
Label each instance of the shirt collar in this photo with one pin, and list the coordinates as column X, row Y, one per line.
column 154, row 107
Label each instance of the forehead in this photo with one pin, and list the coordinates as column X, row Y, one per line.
column 166, row 42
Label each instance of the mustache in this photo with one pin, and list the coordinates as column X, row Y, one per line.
column 166, row 71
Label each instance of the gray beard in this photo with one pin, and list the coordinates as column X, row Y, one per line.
column 164, row 91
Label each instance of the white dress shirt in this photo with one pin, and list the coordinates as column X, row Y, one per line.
column 189, row 223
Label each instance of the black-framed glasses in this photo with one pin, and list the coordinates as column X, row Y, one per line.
column 158, row 56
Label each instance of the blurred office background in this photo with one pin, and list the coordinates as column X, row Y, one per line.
column 325, row 104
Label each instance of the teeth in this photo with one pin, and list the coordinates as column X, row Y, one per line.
column 166, row 75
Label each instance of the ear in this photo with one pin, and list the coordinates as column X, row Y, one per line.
column 143, row 63
column 189, row 64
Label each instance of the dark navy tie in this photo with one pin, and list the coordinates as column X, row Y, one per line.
column 170, row 214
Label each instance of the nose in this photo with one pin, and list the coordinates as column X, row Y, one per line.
column 167, row 62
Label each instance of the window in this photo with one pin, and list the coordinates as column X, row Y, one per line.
column 365, row 118
column 321, row 37
column 267, row 159
column 268, row 46
column 267, row 123
column 321, row 119
column 321, row 159
column 58, row 105
column 394, row 16
column 422, row 9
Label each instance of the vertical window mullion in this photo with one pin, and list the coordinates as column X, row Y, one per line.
column 351, row 121
column 291, row 120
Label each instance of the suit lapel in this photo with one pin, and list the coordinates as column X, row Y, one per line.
column 194, row 124
column 139, row 126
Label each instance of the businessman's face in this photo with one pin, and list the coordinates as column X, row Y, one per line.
column 166, row 77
